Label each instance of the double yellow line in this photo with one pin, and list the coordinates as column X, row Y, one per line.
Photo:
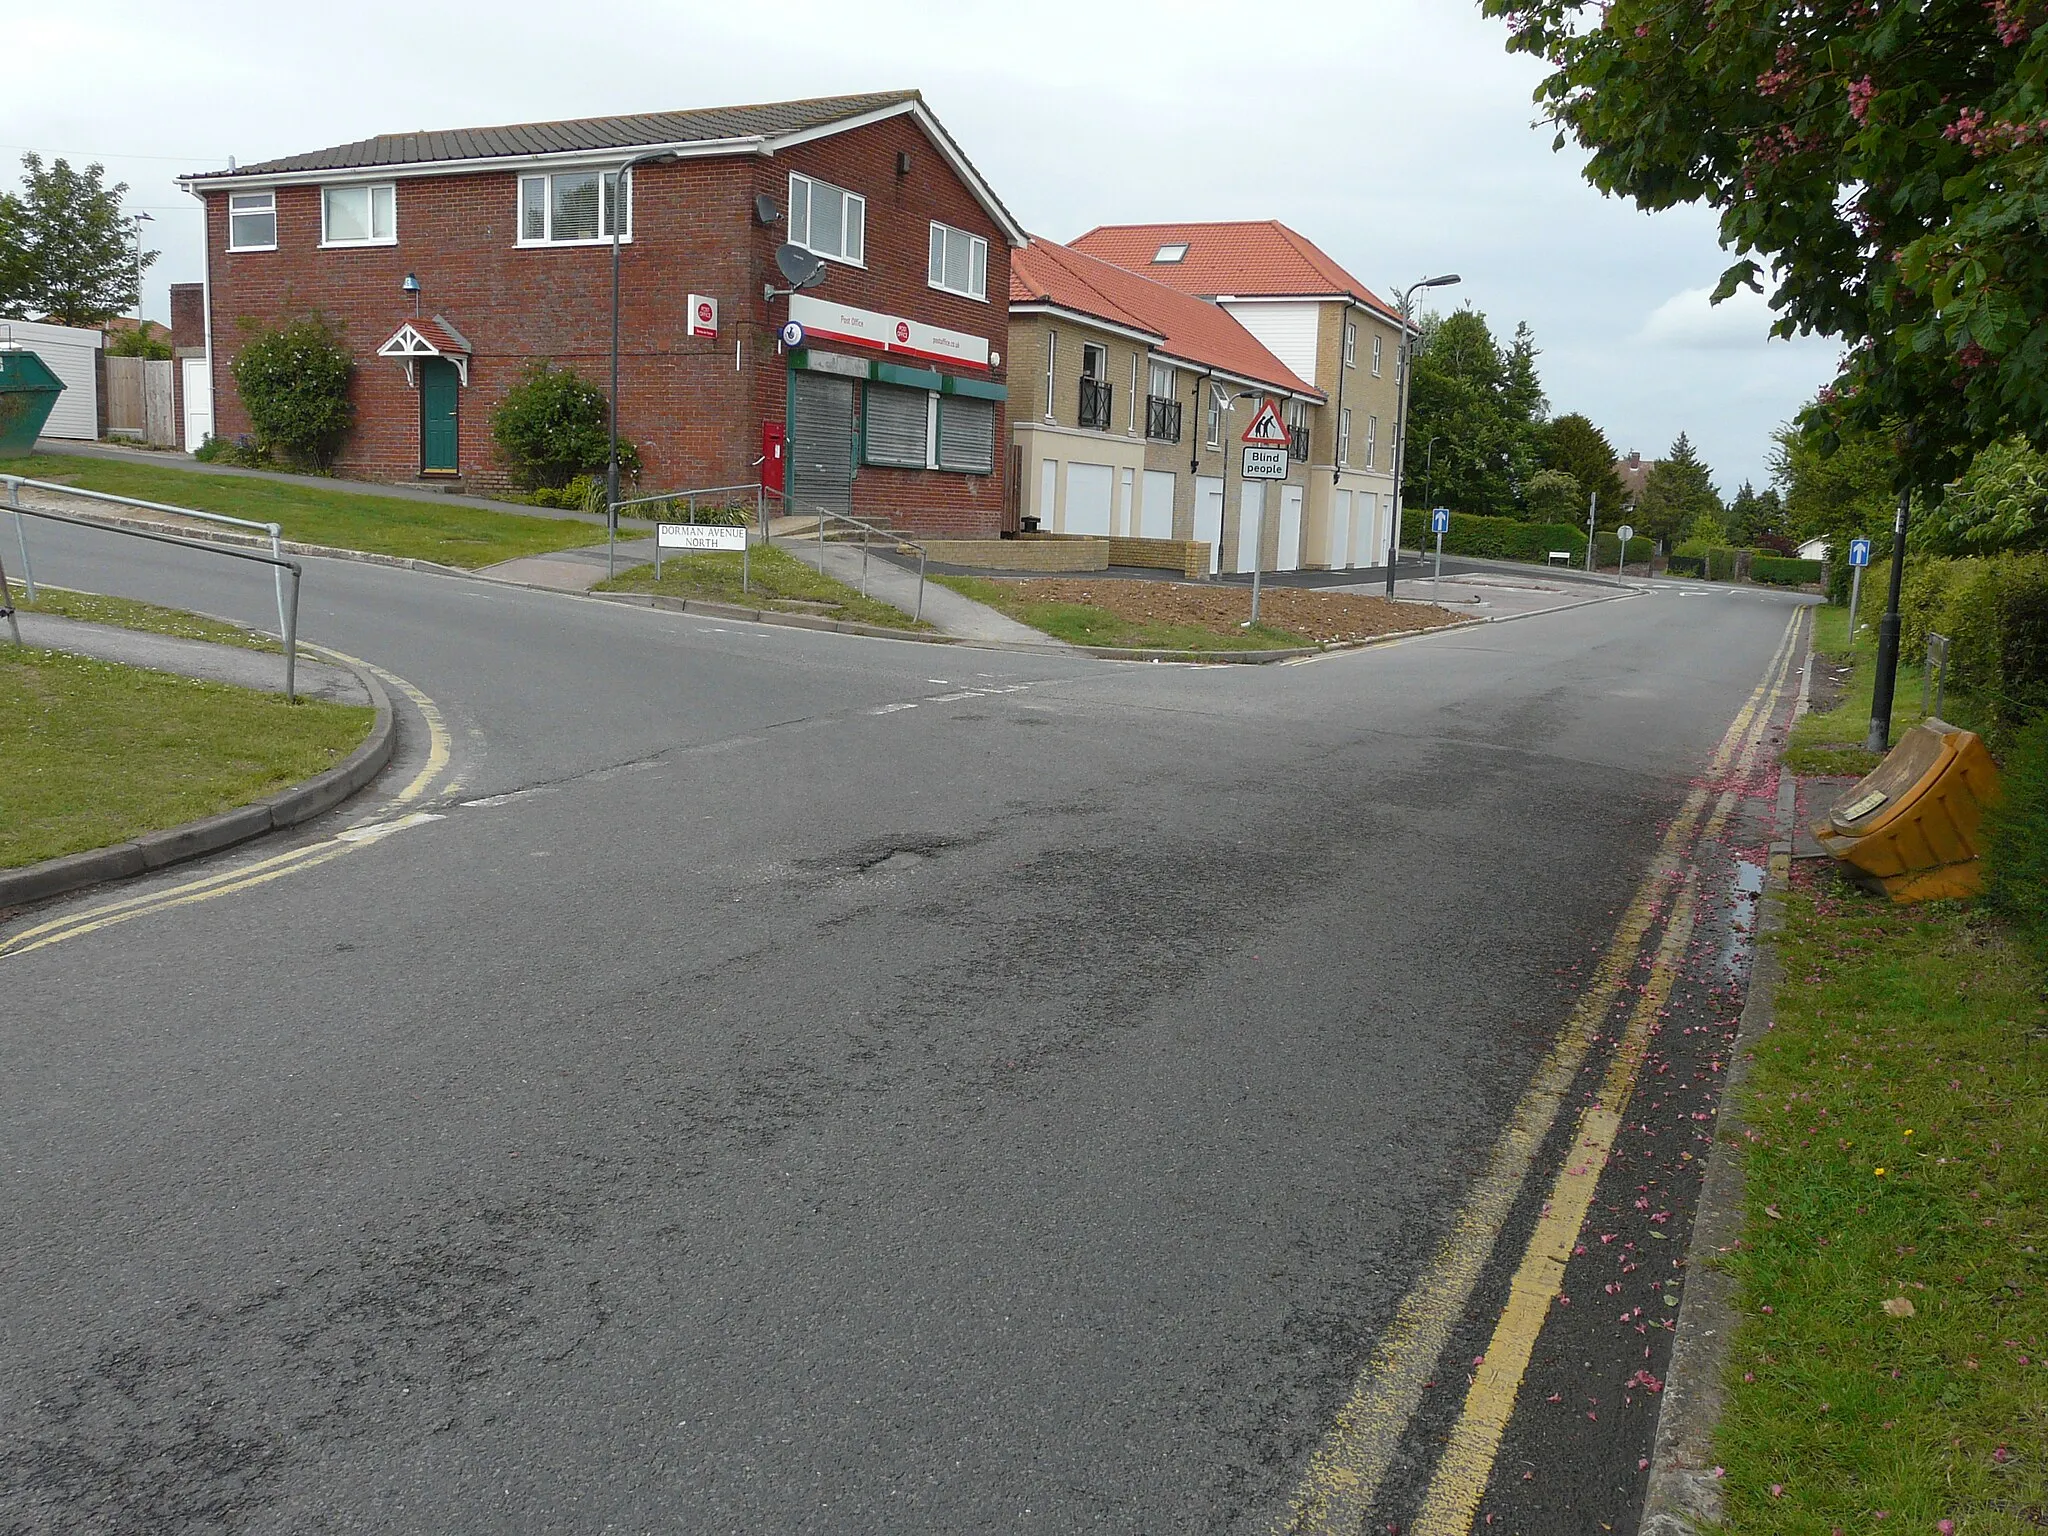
column 1343, row 1477
column 106, row 914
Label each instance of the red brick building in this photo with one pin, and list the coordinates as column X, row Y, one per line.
column 889, row 382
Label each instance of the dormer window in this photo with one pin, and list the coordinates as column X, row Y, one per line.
column 1166, row 255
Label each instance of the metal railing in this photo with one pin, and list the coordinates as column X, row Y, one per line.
column 1162, row 419
column 16, row 482
column 288, row 613
column 1935, row 675
column 867, row 533
column 1095, row 401
column 1297, row 444
column 689, row 498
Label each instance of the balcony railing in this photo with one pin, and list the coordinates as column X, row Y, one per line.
column 1297, row 444
column 1094, row 403
column 1162, row 419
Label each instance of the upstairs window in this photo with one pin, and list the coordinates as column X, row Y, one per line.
column 1372, row 440
column 1376, row 356
column 1219, row 402
column 572, row 208
column 829, row 221
column 252, row 221
column 1167, row 255
column 1344, row 436
column 359, row 215
column 1163, row 381
column 959, row 262
column 1351, row 346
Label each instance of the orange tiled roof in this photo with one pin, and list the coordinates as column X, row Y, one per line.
column 1188, row 328
column 1265, row 259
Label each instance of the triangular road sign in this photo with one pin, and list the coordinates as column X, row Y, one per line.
column 1267, row 429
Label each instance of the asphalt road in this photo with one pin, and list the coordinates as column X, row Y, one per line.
column 802, row 1083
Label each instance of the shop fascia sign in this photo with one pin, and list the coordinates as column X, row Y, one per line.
column 823, row 320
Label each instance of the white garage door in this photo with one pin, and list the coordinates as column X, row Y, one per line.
column 69, row 352
column 1251, row 517
column 1340, row 530
column 1155, row 513
column 1288, row 556
column 1209, row 518
column 1372, row 548
column 198, row 373
column 1088, row 493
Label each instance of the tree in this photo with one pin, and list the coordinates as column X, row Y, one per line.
column 1678, row 490
column 144, row 341
column 1837, row 485
column 1485, row 402
column 552, row 426
column 1885, row 163
column 1573, row 444
column 1553, row 496
column 2001, row 503
column 67, row 252
column 293, row 381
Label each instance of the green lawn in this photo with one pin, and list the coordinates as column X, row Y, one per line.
column 126, row 613
column 779, row 582
column 1888, row 1372
column 1086, row 624
column 97, row 752
column 1833, row 742
column 310, row 514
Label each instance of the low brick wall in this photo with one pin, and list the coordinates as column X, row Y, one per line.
column 1025, row 554
column 1189, row 557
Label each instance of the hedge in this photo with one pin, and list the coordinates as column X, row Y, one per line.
column 1779, row 571
column 1995, row 614
column 1686, row 565
column 1607, row 550
column 2016, row 840
column 1493, row 538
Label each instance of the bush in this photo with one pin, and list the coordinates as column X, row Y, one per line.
column 585, row 493
column 1995, row 614
column 1551, row 496
column 737, row 514
column 2016, row 840
column 553, row 425
column 1607, row 550
column 139, row 343
column 1777, row 571
column 239, row 451
column 1493, row 538
column 293, row 381
column 1687, row 565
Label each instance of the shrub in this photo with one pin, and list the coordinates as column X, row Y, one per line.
column 553, row 425
column 1777, row 571
column 1607, row 550
column 2016, row 840
column 1995, row 614
column 585, row 493
column 1551, row 496
column 1687, row 565
column 737, row 514
column 293, row 381
column 1493, row 538
column 1721, row 564
column 239, row 451
column 139, row 343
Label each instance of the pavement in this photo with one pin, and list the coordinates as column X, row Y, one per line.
column 735, row 1077
column 572, row 570
column 243, row 666
column 897, row 585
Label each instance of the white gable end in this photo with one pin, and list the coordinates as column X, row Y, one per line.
column 1288, row 331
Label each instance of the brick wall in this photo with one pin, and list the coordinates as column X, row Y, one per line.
column 694, row 405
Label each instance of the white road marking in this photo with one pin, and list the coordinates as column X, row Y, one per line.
column 377, row 829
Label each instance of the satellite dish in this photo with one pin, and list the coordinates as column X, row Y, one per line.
column 764, row 208
column 799, row 267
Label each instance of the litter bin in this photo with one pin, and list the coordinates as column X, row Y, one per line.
column 28, row 393
column 1910, row 828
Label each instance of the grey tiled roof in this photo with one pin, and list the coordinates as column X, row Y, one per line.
column 590, row 133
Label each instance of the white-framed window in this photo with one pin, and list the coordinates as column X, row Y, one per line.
column 1344, row 435
column 828, row 221
column 1167, row 255
column 1219, row 401
column 1164, row 380
column 1095, row 361
column 959, row 262
column 1372, row 440
column 365, row 215
column 252, row 221
column 1132, row 429
column 1350, row 345
column 1297, row 415
column 572, row 208
column 1052, row 358
column 1376, row 355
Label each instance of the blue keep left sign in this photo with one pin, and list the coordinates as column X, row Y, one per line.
column 1859, row 551
column 1440, row 520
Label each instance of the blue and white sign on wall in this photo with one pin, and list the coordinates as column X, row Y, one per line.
column 1440, row 520
column 1859, row 551
column 792, row 334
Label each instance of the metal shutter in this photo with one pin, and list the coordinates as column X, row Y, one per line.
column 967, row 434
column 821, row 444
column 896, row 425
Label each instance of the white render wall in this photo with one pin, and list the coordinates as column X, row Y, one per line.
column 1288, row 331
column 69, row 352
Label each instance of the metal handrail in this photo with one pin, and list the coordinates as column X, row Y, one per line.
column 16, row 482
column 689, row 500
column 868, row 531
column 290, row 616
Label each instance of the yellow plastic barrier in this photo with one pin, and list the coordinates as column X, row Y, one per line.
column 1909, row 828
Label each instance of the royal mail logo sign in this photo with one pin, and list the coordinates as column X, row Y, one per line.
column 703, row 316
column 822, row 320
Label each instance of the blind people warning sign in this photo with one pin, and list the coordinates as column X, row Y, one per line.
column 699, row 536
column 1267, row 430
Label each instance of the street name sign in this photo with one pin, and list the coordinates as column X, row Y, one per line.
column 699, row 536
column 1265, row 463
column 1859, row 552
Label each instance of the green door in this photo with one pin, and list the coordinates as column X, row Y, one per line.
column 438, row 386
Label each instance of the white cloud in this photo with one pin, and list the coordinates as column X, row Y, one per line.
column 1690, row 319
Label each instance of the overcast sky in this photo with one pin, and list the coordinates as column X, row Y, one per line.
column 1394, row 133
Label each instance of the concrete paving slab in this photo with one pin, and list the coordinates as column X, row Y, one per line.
column 570, row 570
column 262, row 670
column 944, row 609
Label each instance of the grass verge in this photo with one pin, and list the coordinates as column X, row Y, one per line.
column 98, row 752
column 311, row 514
column 1089, row 624
column 780, row 583
column 1831, row 742
column 1888, row 1371
column 126, row 613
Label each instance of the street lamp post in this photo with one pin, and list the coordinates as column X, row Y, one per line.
column 611, row 469
column 1429, row 470
column 1226, row 404
column 1407, row 366
column 141, row 217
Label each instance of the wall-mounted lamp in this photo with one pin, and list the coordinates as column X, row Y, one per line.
column 411, row 285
